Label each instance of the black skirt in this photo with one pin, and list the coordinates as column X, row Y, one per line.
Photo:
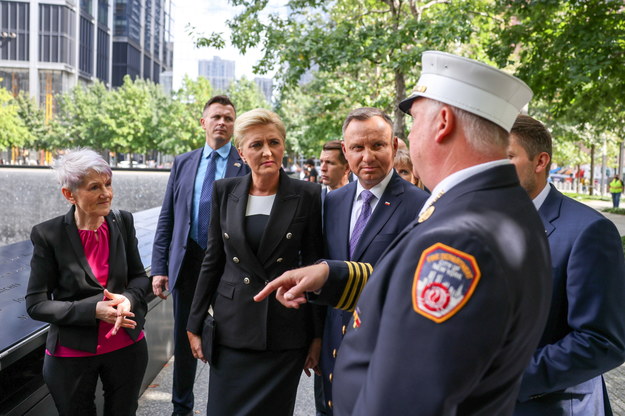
column 247, row 382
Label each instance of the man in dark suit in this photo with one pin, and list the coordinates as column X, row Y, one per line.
column 182, row 231
column 333, row 166
column 458, row 301
column 585, row 333
column 369, row 147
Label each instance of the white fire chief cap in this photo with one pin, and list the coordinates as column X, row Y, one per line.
column 472, row 86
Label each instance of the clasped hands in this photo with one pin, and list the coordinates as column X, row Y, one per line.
column 116, row 311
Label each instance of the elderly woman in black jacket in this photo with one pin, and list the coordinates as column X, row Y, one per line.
column 88, row 282
column 262, row 224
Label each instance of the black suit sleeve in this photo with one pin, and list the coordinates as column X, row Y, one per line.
column 212, row 266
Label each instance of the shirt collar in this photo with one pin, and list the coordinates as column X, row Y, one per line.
column 376, row 190
column 223, row 151
column 455, row 178
column 540, row 198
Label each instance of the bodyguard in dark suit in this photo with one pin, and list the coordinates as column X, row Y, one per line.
column 262, row 224
column 369, row 147
column 585, row 333
column 182, row 231
column 87, row 281
column 457, row 303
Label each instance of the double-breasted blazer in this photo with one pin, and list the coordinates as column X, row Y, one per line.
column 174, row 221
column 62, row 289
column 232, row 273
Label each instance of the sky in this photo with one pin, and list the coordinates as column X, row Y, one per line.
column 209, row 16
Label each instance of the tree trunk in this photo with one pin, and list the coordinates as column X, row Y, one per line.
column 591, row 188
column 399, row 124
column 620, row 159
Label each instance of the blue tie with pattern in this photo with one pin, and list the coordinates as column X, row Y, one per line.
column 204, row 213
column 361, row 222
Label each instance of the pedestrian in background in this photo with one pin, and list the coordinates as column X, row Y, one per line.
column 182, row 230
column 616, row 189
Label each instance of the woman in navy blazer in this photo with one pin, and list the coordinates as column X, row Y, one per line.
column 262, row 225
column 88, row 282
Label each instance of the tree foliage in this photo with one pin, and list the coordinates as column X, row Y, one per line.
column 373, row 46
column 13, row 131
column 246, row 95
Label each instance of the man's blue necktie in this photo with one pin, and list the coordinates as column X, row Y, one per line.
column 204, row 214
column 361, row 222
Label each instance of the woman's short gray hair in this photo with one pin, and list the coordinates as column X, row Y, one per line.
column 75, row 164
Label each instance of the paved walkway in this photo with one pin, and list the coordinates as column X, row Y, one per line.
column 156, row 401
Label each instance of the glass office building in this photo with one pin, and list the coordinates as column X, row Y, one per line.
column 49, row 46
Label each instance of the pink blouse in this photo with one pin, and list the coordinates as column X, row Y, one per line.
column 97, row 252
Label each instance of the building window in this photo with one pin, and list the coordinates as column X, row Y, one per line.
column 51, row 84
column 56, row 34
column 14, row 31
column 103, row 13
column 85, row 56
column 14, row 80
column 147, row 67
column 103, row 58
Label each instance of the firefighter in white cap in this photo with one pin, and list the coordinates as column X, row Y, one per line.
column 449, row 319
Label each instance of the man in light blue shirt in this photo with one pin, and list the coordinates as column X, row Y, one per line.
column 180, row 239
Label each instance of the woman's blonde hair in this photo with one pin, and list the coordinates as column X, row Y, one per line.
column 253, row 118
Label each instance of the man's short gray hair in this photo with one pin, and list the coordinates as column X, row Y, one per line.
column 75, row 164
column 481, row 134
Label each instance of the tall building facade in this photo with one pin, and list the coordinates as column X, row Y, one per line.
column 266, row 87
column 142, row 41
column 49, row 46
column 219, row 72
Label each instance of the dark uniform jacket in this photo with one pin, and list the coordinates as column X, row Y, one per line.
column 63, row 290
column 454, row 310
column 585, row 333
column 398, row 207
column 174, row 221
column 232, row 273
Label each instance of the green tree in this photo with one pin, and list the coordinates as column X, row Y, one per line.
column 571, row 54
column 13, row 131
column 246, row 95
column 33, row 118
column 359, row 39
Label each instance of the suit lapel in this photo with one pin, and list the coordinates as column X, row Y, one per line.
column 115, row 244
column 337, row 227
column 237, row 205
column 234, row 166
column 282, row 213
column 74, row 239
column 550, row 210
column 189, row 182
column 386, row 206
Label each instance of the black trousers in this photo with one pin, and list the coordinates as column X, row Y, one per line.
column 184, row 363
column 72, row 381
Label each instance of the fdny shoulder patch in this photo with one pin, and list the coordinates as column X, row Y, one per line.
column 444, row 281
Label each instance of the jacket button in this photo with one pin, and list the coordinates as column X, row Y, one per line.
column 330, row 377
column 342, row 329
column 330, row 404
column 334, row 353
column 236, row 260
column 246, row 280
column 226, row 236
column 279, row 260
column 289, row 236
